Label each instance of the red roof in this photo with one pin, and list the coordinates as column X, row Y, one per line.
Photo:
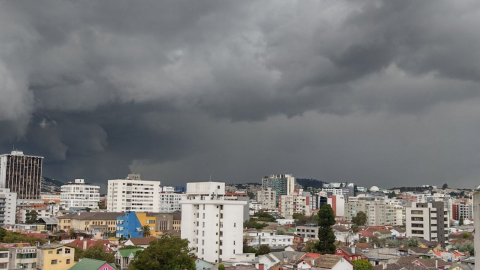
column 79, row 243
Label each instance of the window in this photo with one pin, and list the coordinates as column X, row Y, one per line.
column 67, row 251
column 68, row 261
column 50, row 252
column 54, row 262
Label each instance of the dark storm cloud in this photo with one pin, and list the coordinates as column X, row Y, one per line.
column 376, row 92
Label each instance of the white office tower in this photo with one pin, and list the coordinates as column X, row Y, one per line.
column 79, row 195
column 212, row 225
column 169, row 200
column 133, row 194
column 8, row 205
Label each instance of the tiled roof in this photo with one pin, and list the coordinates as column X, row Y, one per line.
column 327, row 261
column 90, row 264
column 142, row 241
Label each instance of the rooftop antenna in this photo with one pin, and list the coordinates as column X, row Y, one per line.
column 210, row 178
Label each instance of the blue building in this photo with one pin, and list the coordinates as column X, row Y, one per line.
column 129, row 226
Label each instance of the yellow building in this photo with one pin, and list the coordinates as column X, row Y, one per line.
column 149, row 219
column 90, row 222
column 55, row 257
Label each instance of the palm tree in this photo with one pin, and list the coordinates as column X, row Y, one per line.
column 146, row 231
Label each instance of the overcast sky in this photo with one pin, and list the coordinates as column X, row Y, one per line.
column 379, row 93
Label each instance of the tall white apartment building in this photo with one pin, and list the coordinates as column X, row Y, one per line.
column 293, row 203
column 212, row 225
column 267, row 198
column 8, row 206
column 79, row 195
column 428, row 221
column 133, row 194
column 169, row 200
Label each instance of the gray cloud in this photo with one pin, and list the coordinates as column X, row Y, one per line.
column 376, row 92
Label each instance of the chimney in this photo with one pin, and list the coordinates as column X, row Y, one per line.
column 85, row 244
column 353, row 248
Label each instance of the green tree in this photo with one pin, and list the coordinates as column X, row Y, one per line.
column 97, row 252
column 165, row 253
column 252, row 223
column 392, row 195
column 360, row 219
column 362, row 240
column 326, row 219
column 311, row 246
column 413, row 242
column 146, row 231
column 362, row 265
column 460, row 222
column 79, row 253
column 263, row 249
column 31, row 217
column 221, row 267
column 264, row 216
column 3, row 233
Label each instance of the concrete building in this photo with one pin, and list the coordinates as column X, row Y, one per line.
column 169, row 200
column 21, row 174
column 133, row 194
column 282, row 184
column 90, row 222
column 23, row 257
column 131, row 225
column 169, row 221
column 256, row 238
column 80, row 195
column 8, row 206
column 476, row 217
column 378, row 213
column 337, row 202
column 55, row 257
column 267, row 198
column 308, row 232
column 293, row 203
column 462, row 209
column 4, row 259
column 428, row 221
column 212, row 225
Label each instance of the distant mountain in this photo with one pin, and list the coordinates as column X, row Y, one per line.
column 51, row 185
column 309, row 182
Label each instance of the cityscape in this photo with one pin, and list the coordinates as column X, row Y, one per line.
column 239, row 135
column 279, row 222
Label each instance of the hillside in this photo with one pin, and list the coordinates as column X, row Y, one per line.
column 51, row 185
column 308, row 182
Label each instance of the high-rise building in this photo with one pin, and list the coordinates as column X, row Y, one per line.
column 282, row 184
column 8, row 205
column 80, row 195
column 133, row 194
column 428, row 221
column 462, row 209
column 337, row 202
column 169, row 200
column 212, row 224
column 293, row 204
column 267, row 198
column 21, row 174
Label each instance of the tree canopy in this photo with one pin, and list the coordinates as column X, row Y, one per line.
column 263, row 249
column 326, row 219
column 362, row 265
column 165, row 253
column 97, row 252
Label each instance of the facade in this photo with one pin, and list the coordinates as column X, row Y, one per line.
column 169, row 221
column 428, row 221
column 339, row 191
column 378, row 213
column 90, row 222
column 123, row 257
column 476, row 216
column 267, row 237
column 293, row 203
column 131, row 225
column 23, row 258
column 55, row 257
column 282, row 184
column 212, row 225
column 8, row 206
column 169, row 200
column 308, row 232
column 80, row 195
column 337, row 202
column 462, row 209
column 4, row 259
column 267, row 198
column 21, row 174
column 133, row 194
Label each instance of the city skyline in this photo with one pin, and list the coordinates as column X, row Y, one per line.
column 370, row 92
